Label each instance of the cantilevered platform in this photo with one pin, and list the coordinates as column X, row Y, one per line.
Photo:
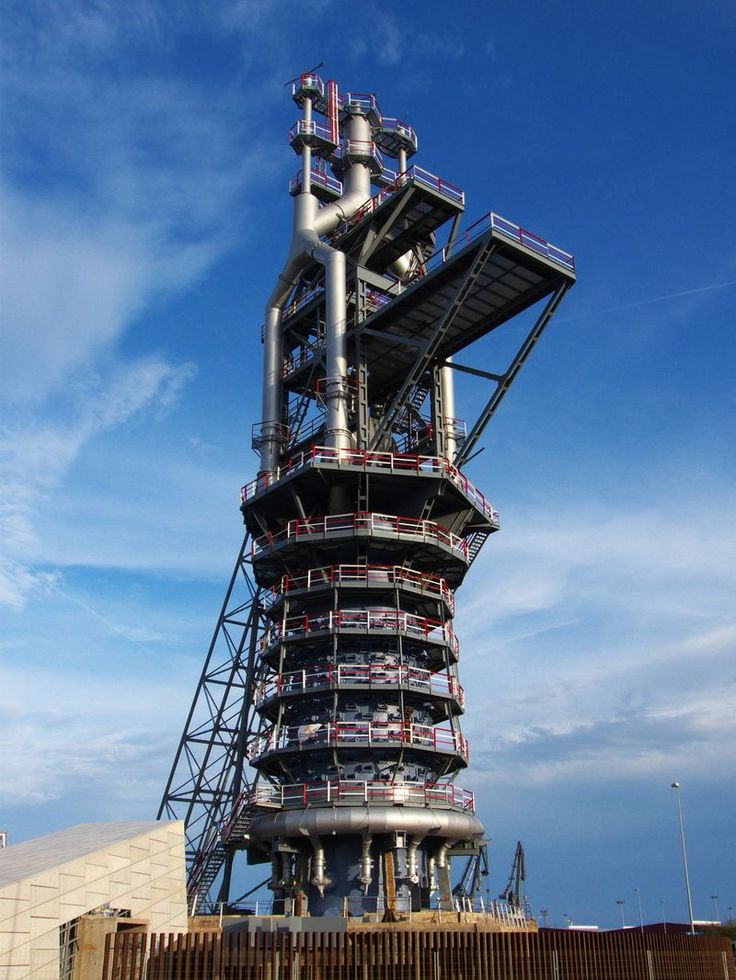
column 511, row 270
column 515, row 271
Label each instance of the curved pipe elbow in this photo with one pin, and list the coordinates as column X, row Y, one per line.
column 399, row 267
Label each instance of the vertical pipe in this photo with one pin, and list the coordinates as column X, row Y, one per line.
column 336, row 384
column 412, row 867
column 357, row 185
column 271, row 405
column 366, row 863
column 402, row 160
column 307, row 151
column 447, row 382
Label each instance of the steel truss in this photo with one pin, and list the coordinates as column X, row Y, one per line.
column 505, row 380
column 210, row 775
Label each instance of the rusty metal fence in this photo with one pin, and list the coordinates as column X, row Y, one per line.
column 426, row 954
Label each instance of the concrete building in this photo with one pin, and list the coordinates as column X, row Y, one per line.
column 62, row 893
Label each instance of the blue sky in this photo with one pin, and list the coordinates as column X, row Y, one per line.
column 144, row 216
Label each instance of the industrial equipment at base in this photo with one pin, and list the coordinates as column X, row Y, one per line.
column 512, row 891
column 334, row 674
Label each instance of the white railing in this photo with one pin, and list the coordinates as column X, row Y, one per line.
column 317, row 176
column 310, row 84
column 393, row 126
column 369, row 675
column 333, row 576
column 414, row 175
column 367, row 460
column 445, row 796
column 366, row 734
column 362, row 621
column 387, row 526
column 303, row 128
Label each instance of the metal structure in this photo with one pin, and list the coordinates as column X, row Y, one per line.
column 335, row 674
column 512, row 891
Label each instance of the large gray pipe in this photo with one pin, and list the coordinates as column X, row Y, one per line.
column 366, row 863
column 324, row 821
column 412, row 868
column 319, row 876
column 310, row 222
column 447, row 382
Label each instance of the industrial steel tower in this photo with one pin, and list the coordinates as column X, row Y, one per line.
column 335, row 674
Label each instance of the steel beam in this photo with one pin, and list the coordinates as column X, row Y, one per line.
column 511, row 374
column 428, row 355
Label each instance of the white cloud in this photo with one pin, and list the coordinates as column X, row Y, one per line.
column 37, row 453
column 123, row 182
column 600, row 643
column 73, row 730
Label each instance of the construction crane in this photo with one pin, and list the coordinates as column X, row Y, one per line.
column 512, row 892
column 475, row 869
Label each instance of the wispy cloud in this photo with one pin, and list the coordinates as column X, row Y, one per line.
column 604, row 642
column 37, row 452
column 72, row 730
column 122, row 183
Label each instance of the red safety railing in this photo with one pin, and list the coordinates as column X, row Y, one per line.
column 366, row 102
column 381, row 525
column 306, row 431
column 361, row 621
column 445, row 796
column 301, row 300
column 368, row 460
column 362, row 733
column 390, row 124
column 332, row 576
column 489, row 222
column 310, row 83
column 414, row 175
column 302, row 128
column 317, row 176
column 297, row 682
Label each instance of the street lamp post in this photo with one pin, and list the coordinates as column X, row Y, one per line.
column 714, row 899
column 544, row 913
column 676, row 788
column 641, row 917
column 621, row 902
column 664, row 920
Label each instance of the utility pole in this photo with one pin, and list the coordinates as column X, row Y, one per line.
column 676, row 787
column 638, row 900
column 621, row 902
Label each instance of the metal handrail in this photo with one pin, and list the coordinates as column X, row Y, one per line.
column 308, row 80
column 302, row 299
column 391, row 124
column 489, row 222
column 369, row 460
column 305, row 431
column 317, row 176
column 413, row 174
column 299, row 795
column 362, row 620
column 304, row 127
column 367, row 733
column 330, row 576
column 370, row 675
column 403, row 528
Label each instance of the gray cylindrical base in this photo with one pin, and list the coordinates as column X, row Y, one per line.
column 325, row 821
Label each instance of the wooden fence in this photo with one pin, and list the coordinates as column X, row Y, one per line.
column 419, row 955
